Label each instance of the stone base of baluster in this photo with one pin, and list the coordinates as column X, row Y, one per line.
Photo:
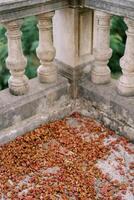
column 100, row 75
column 126, row 86
column 47, row 73
column 18, row 86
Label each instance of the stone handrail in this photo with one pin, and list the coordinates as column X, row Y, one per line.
column 116, row 7
column 15, row 9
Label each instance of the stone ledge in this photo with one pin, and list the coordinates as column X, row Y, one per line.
column 12, row 9
column 61, row 108
column 104, row 103
column 40, row 98
column 116, row 7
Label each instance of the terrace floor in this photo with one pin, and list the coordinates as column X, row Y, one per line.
column 75, row 158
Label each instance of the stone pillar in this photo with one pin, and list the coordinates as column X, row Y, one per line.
column 47, row 71
column 73, row 39
column 126, row 81
column 100, row 73
column 16, row 62
column 73, row 30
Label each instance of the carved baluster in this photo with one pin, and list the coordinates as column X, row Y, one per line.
column 47, row 71
column 16, row 62
column 100, row 73
column 126, row 81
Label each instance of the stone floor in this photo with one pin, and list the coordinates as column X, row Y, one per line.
column 71, row 159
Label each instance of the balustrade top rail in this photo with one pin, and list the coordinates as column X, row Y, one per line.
column 117, row 7
column 14, row 9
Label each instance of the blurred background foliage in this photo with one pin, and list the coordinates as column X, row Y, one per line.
column 30, row 39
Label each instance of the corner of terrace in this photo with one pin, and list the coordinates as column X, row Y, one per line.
column 73, row 52
column 73, row 77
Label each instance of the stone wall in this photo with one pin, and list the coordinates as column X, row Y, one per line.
column 43, row 103
column 48, row 103
column 102, row 102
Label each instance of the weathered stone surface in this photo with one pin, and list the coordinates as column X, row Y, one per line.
column 104, row 103
column 129, row 132
column 116, row 7
column 12, row 9
column 16, row 61
column 39, row 99
column 47, row 71
column 100, row 73
column 58, row 109
column 74, row 3
column 73, row 74
column 74, row 49
column 75, row 46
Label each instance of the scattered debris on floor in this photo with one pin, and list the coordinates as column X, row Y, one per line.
column 71, row 159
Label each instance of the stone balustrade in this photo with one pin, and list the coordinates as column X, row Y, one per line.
column 46, row 52
column 74, row 36
column 16, row 61
column 100, row 73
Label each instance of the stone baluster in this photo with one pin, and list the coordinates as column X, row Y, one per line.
column 100, row 73
column 16, row 61
column 126, row 81
column 47, row 71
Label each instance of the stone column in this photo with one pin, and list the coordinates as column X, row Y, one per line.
column 16, row 62
column 100, row 73
column 126, row 81
column 47, row 71
column 73, row 39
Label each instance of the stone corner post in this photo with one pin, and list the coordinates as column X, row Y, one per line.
column 73, row 31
